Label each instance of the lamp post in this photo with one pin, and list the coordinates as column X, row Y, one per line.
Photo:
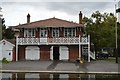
column 116, row 46
column 16, row 35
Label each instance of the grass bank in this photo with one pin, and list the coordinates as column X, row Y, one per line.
column 111, row 59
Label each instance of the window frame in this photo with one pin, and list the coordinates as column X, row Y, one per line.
column 43, row 30
column 56, row 30
column 73, row 32
column 31, row 34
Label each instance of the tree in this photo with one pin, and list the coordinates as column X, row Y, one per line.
column 101, row 28
column 7, row 33
column 3, row 28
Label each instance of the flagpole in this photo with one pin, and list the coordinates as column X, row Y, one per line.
column 116, row 46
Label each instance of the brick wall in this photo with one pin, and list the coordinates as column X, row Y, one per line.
column 73, row 52
column 14, row 55
column 44, row 52
column 21, row 52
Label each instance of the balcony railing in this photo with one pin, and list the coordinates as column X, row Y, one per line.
column 61, row 40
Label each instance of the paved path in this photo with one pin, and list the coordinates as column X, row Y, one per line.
column 62, row 66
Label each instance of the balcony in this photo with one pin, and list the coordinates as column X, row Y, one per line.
column 51, row 41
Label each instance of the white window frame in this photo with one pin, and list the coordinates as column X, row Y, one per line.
column 27, row 34
column 73, row 34
column 56, row 31
column 42, row 30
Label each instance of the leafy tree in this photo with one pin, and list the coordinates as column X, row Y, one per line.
column 7, row 33
column 101, row 28
column 3, row 28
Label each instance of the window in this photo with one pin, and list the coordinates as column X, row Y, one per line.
column 29, row 33
column 55, row 32
column 9, row 53
column 69, row 32
column 43, row 32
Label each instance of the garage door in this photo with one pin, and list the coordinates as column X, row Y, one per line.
column 64, row 53
column 32, row 53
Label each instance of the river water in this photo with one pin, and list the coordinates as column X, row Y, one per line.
column 56, row 76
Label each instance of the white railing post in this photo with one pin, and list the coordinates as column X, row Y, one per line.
column 79, row 48
column 94, row 54
column 16, row 48
column 47, row 41
column 88, row 48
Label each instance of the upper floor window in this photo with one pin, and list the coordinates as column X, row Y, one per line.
column 55, row 32
column 29, row 32
column 43, row 32
column 69, row 32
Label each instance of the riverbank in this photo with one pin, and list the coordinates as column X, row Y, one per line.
column 98, row 66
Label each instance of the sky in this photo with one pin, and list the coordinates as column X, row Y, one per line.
column 15, row 11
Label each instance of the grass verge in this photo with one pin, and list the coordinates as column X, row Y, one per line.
column 111, row 59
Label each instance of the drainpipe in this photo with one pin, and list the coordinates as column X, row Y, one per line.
column 16, row 48
column 88, row 48
column 79, row 48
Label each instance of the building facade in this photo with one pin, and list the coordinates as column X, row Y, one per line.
column 52, row 39
column 7, row 48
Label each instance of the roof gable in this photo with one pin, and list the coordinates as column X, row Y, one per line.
column 51, row 22
column 7, row 42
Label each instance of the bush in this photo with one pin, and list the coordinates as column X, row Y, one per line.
column 5, row 60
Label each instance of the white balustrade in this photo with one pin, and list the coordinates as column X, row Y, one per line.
column 60, row 40
column 92, row 55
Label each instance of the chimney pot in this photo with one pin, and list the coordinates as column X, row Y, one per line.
column 28, row 18
column 80, row 17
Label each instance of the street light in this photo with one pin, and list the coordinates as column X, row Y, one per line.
column 116, row 46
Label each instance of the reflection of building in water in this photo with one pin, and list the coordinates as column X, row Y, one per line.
column 48, row 76
column 0, row 75
column 6, row 75
column 44, row 76
column 29, row 75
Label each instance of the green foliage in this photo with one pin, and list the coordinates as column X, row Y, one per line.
column 6, row 33
column 5, row 61
column 110, row 59
column 9, row 34
column 101, row 28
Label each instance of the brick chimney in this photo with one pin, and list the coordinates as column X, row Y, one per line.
column 80, row 17
column 28, row 18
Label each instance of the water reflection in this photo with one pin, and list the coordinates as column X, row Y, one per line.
column 48, row 76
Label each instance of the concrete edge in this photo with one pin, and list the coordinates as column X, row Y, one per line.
column 67, row 72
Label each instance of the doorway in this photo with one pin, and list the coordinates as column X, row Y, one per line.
column 56, row 53
column 85, row 52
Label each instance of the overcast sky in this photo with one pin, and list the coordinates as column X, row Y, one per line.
column 16, row 12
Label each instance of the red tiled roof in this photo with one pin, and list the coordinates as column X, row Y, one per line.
column 51, row 22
